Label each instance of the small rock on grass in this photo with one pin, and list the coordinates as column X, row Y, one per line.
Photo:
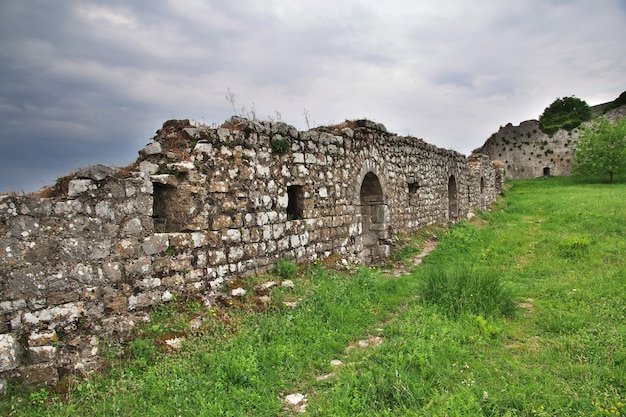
column 238, row 292
column 297, row 400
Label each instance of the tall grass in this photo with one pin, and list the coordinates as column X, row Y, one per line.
column 462, row 289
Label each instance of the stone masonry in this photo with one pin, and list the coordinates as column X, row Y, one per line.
column 527, row 152
column 202, row 206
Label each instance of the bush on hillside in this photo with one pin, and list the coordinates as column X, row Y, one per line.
column 564, row 113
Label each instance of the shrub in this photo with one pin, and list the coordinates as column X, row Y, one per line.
column 285, row 269
column 280, row 145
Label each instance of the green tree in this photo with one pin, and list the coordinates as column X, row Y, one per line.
column 601, row 149
column 564, row 113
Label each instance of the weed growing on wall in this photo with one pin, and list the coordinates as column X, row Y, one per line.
column 280, row 146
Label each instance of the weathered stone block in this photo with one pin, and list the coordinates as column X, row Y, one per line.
column 112, row 271
column 203, row 147
column 62, row 297
column 165, row 179
column 140, row 266
column 148, row 283
column 159, row 242
column 221, row 222
column 148, row 167
column 179, row 241
column 235, row 254
column 153, row 148
column 41, row 354
column 83, row 273
column 143, row 299
column 231, row 235
column 116, row 302
column 199, row 239
column 64, row 314
column 181, row 263
column 126, row 248
column 132, row 227
column 9, row 353
column 96, row 172
column 216, row 257
column 28, row 282
column 11, row 306
column 72, row 249
column 100, row 249
column 78, row 187
column 40, row 375
column 173, row 281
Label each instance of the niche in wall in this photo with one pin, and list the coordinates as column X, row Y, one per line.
column 295, row 205
column 413, row 187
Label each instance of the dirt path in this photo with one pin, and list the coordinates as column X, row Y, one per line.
column 296, row 403
column 405, row 268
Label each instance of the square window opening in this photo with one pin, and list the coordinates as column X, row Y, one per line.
column 295, row 205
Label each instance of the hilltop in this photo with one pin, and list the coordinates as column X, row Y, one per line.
column 527, row 152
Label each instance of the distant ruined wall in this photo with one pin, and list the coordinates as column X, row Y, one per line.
column 200, row 207
column 527, row 152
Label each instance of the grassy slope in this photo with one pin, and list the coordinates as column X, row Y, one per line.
column 556, row 245
column 560, row 247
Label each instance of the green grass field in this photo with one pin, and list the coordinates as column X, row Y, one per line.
column 520, row 312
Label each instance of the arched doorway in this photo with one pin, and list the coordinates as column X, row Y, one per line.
column 374, row 219
column 453, row 204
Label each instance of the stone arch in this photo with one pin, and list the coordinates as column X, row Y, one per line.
column 374, row 218
column 546, row 171
column 369, row 166
column 373, row 213
column 453, row 201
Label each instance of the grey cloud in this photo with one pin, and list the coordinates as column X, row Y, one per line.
column 90, row 81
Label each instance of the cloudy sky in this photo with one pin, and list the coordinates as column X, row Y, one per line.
column 86, row 81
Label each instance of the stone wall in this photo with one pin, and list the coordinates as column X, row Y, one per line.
column 202, row 206
column 527, row 152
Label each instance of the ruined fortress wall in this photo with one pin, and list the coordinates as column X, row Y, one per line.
column 527, row 152
column 202, row 206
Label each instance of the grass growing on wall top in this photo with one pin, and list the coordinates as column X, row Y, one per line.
column 554, row 246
